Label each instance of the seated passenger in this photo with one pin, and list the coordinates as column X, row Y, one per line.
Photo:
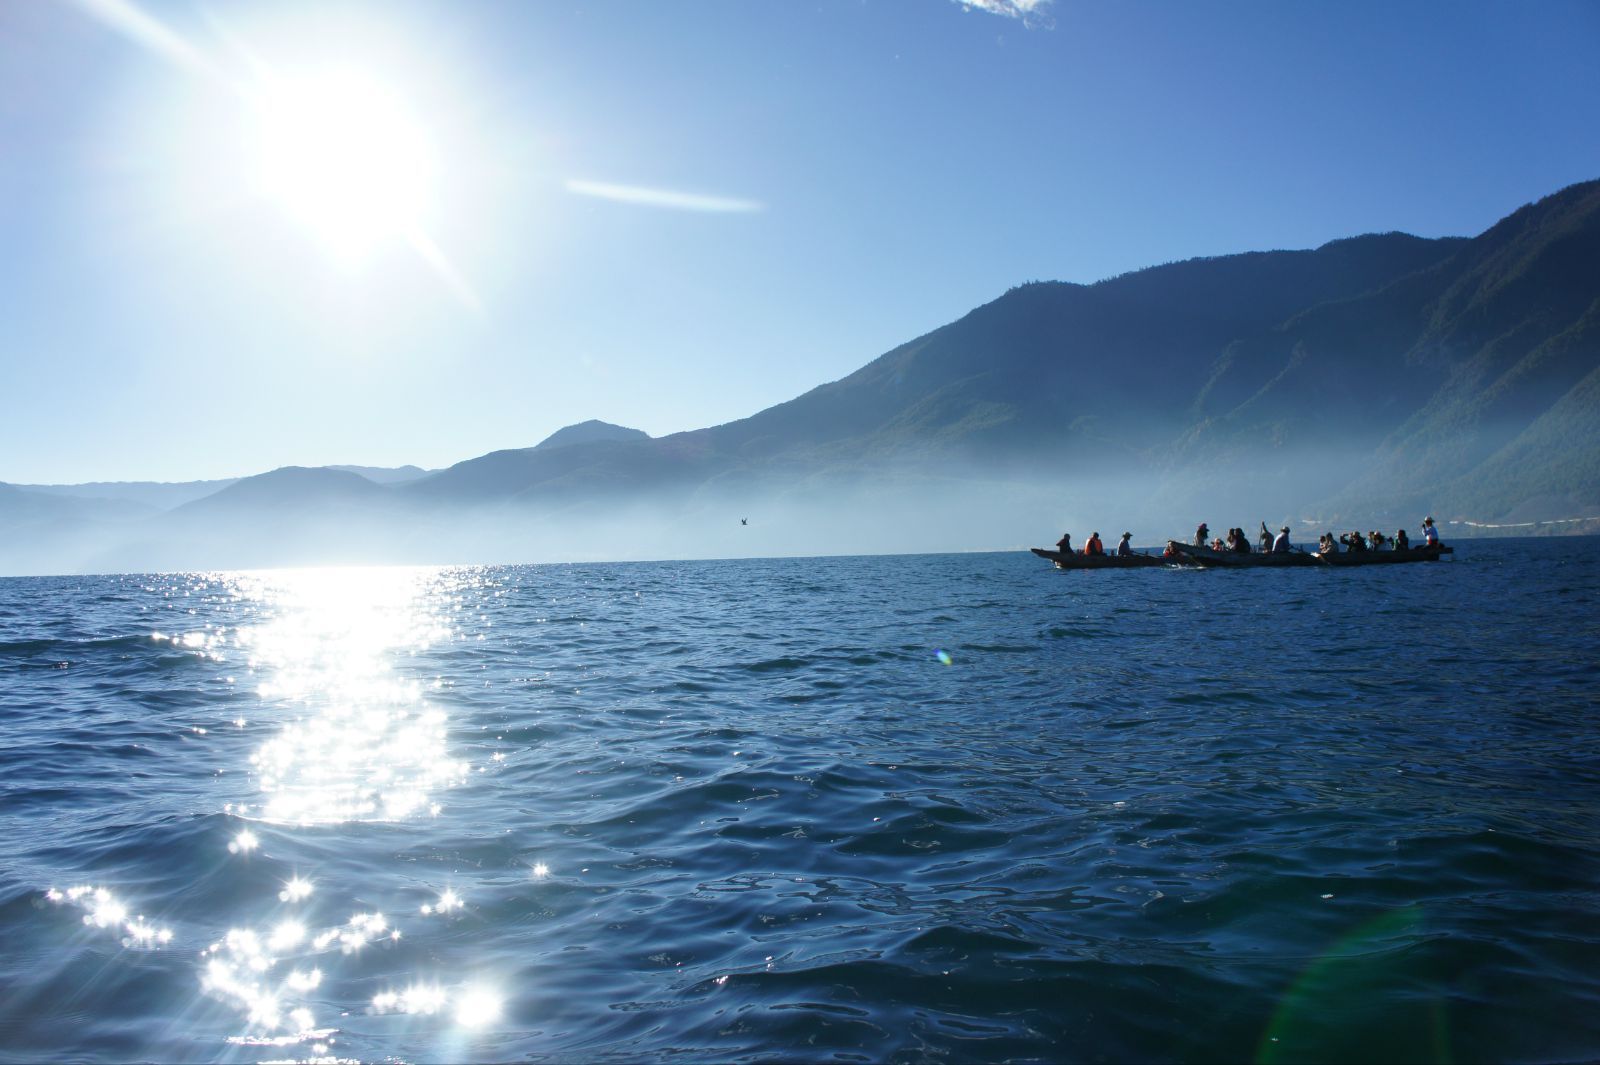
column 1241, row 542
column 1401, row 541
column 1125, row 546
column 1266, row 538
column 1326, row 545
column 1064, row 545
column 1094, row 546
column 1430, row 533
column 1280, row 546
column 1376, row 539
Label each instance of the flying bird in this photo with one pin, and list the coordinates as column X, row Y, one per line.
column 744, row 521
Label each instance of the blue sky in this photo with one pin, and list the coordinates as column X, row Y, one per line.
column 673, row 215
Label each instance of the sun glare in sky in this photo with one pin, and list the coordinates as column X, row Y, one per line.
column 342, row 154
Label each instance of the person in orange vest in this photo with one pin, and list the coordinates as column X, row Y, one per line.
column 1094, row 546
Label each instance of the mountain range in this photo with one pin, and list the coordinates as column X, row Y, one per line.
column 1360, row 383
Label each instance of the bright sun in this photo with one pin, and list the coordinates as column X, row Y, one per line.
column 342, row 155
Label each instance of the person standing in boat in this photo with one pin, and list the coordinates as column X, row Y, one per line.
column 1125, row 545
column 1280, row 546
column 1064, row 545
column 1094, row 546
column 1430, row 534
column 1200, row 535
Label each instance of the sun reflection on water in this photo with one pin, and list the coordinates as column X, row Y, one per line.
column 363, row 744
column 352, row 741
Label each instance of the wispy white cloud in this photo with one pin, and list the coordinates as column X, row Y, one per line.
column 668, row 198
column 1031, row 12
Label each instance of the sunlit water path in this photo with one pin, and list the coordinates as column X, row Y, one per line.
column 957, row 807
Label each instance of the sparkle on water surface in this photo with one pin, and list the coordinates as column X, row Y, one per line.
column 353, row 744
column 364, row 745
column 921, row 817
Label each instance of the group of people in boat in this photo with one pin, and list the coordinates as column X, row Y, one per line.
column 1354, row 542
column 1237, row 541
column 1093, row 546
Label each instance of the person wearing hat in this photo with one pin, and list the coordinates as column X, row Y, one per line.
column 1280, row 545
column 1430, row 534
column 1125, row 546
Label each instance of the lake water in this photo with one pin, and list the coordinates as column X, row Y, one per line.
column 954, row 807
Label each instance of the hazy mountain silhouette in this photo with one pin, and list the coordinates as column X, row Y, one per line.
column 289, row 487
column 1378, row 372
column 1370, row 376
column 1465, row 384
column 592, row 431
column 20, row 506
column 154, row 495
column 384, row 474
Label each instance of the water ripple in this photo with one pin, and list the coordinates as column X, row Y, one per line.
column 878, row 809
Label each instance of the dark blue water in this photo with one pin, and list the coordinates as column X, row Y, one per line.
column 958, row 807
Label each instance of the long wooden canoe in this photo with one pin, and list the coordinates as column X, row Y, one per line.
column 1076, row 561
column 1204, row 556
column 1188, row 555
column 1377, row 558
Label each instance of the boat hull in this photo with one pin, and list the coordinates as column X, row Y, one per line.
column 1205, row 557
column 1383, row 558
column 1073, row 561
column 1209, row 559
column 1188, row 555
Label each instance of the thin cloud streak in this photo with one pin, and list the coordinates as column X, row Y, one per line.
column 668, row 198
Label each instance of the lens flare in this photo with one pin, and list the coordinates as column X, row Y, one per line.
column 478, row 1006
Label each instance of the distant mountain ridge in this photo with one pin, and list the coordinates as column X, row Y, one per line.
column 592, row 431
column 1369, row 378
column 156, row 495
column 384, row 474
column 290, row 486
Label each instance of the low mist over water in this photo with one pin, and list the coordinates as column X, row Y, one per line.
column 948, row 506
column 863, row 809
